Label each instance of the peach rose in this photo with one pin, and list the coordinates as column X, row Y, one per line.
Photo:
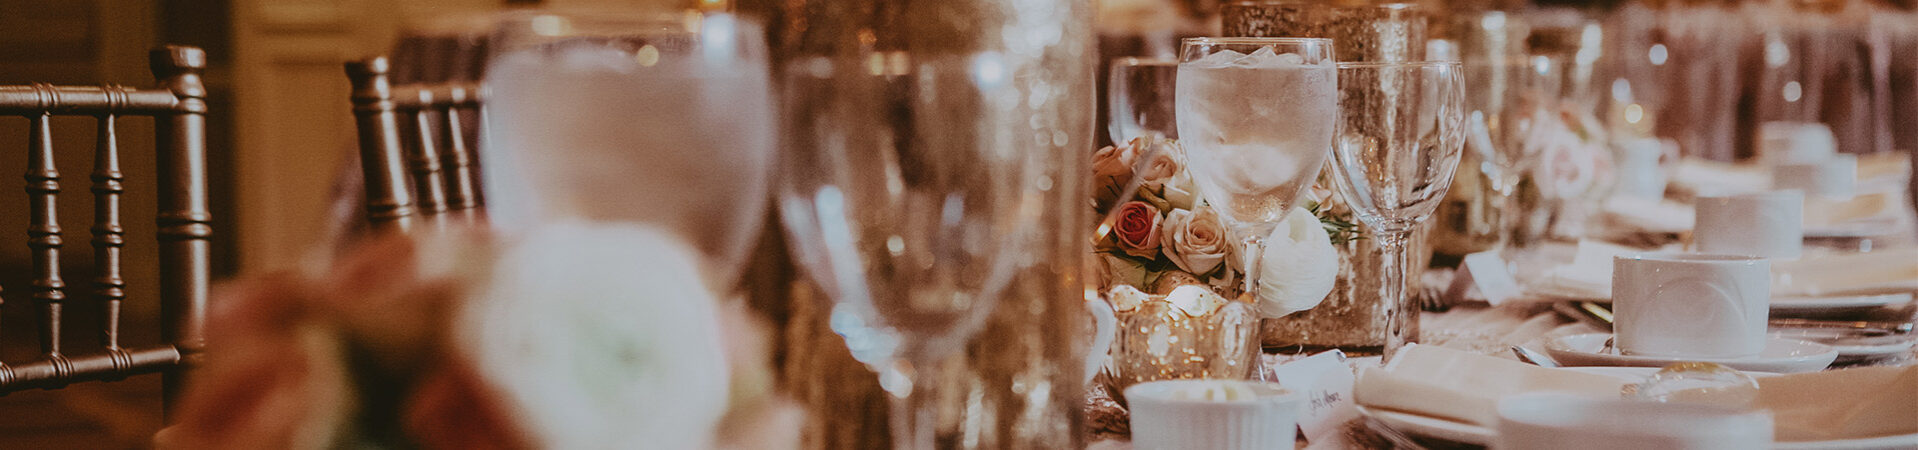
column 1194, row 240
column 1111, row 170
column 1137, row 229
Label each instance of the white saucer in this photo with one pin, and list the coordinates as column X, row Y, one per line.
column 1801, row 304
column 1780, row 355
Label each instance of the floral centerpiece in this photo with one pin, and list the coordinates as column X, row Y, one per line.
column 1156, row 234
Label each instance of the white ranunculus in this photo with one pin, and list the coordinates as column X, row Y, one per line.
column 601, row 336
column 1299, row 268
column 1195, row 300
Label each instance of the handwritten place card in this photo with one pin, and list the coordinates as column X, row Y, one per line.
column 1326, row 380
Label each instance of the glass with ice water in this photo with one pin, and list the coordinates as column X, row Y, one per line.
column 1256, row 117
column 660, row 118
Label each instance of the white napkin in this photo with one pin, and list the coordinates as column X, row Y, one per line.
column 1702, row 177
column 1451, row 384
column 1827, row 212
column 1587, row 276
column 1879, row 271
column 1842, row 404
column 1648, row 215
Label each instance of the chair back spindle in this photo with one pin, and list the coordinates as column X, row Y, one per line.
column 418, row 165
column 185, row 228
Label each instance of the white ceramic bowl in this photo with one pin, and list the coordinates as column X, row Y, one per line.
column 1166, row 415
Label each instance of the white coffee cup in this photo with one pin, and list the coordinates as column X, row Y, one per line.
column 1690, row 305
column 1769, row 224
column 1213, row 414
column 1639, row 174
column 1836, row 176
column 1795, row 142
column 1558, row 421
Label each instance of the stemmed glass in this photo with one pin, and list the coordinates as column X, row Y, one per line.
column 908, row 186
column 1519, row 94
column 1139, row 99
column 632, row 115
column 1400, row 131
column 1257, row 116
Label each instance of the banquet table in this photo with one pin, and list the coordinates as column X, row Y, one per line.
column 1473, row 326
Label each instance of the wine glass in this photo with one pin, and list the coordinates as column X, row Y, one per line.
column 631, row 116
column 1512, row 100
column 1257, row 117
column 908, row 185
column 1400, row 131
column 1139, row 98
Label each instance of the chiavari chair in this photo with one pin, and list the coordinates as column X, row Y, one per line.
column 416, row 152
column 178, row 107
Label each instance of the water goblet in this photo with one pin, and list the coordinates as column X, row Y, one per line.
column 564, row 142
column 1139, row 99
column 1256, row 118
column 1399, row 135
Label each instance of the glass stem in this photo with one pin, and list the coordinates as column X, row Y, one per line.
column 1401, row 315
column 910, row 401
column 1254, row 252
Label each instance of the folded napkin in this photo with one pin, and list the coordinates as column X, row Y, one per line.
column 1891, row 167
column 1827, row 212
column 1842, row 404
column 1879, row 271
column 1703, row 177
column 1452, row 384
column 1647, row 215
column 1588, row 276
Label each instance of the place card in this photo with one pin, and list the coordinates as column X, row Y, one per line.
column 1326, row 380
column 1487, row 272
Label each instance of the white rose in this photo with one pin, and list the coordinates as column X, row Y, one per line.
column 1299, row 267
column 587, row 360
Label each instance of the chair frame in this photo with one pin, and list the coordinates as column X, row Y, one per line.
column 419, row 175
column 178, row 106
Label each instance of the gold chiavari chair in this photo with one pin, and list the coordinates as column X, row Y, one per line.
column 415, row 149
column 178, row 107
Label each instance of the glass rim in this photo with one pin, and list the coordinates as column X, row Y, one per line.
column 1396, row 64
column 1256, row 40
column 1143, row 61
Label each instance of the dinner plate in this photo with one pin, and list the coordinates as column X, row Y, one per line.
column 1781, row 355
column 1803, row 304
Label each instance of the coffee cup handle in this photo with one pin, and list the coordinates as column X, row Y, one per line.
column 1104, row 324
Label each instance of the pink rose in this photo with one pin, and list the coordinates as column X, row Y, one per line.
column 1137, row 229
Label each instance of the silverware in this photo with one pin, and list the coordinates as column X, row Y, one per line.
column 1399, row 440
column 1535, row 358
column 1601, row 316
column 1887, row 327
